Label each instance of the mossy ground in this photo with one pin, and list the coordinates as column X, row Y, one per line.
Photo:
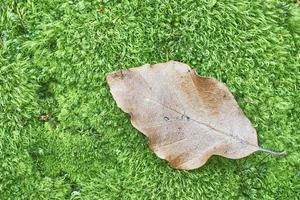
column 54, row 56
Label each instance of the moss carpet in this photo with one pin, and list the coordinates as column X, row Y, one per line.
column 62, row 135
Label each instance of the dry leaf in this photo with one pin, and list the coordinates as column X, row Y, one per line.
column 187, row 118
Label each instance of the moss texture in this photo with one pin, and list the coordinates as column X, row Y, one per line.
column 54, row 56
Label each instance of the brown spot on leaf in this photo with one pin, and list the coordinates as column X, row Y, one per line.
column 209, row 91
column 115, row 75
column 154, row 137
column 121, row 74
column 176, row 160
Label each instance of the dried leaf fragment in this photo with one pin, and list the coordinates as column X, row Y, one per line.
column 187, row 118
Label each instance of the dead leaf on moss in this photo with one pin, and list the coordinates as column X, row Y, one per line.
column 187, row 118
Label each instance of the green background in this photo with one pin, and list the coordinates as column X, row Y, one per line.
column 54, row 56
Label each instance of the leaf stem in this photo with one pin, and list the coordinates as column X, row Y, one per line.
column 272, row 153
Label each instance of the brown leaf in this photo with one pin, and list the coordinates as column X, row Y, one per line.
column 187, row 118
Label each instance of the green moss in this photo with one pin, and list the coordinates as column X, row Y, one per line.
column 54, row 56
